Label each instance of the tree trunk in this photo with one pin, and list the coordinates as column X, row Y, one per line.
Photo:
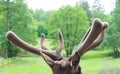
column 8, row 15
column 9, row 53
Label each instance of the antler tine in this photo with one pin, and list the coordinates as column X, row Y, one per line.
column 61, row 42
column 42, row 42
column 20, row 43
column 93, row 34
column 99, row 38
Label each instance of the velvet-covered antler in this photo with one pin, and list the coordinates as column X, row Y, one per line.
column 92, row 39
column 60, row 46
column 13, row 38
column 60, row 65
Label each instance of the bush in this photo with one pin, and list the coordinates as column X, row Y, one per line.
column 115, row 53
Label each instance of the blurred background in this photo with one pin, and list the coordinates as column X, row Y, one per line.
column 30, row 18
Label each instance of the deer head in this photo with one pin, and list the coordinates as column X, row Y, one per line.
column 58, row 63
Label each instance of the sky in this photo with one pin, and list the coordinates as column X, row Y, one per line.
column 56, row 4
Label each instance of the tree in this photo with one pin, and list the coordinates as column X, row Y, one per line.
column 41, row 17
column 72, row 21
column 15, row 17
column 85, row 5
column 97, row 11
column 41, row 29
column 113, row 33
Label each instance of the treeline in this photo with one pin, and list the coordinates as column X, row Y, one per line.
column 73, row 22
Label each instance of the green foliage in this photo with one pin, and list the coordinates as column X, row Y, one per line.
column 97, row 11
column 20, row 23
column 41, row 30
column 85, row 5
column 72, row 21
column 116, row 53
column 41, row 17
column 112, row 39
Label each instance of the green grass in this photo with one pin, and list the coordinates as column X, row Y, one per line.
column 94, row 61
column 91, row 63
column 27, row 65
column 93, row 66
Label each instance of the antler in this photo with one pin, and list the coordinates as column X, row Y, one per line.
column 61, row 42
column 93, row 37
column 42, row 42
column 12, row 37
column 20, row 43
column 60, row 46
column 100, row 37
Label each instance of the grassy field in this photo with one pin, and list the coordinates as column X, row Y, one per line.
column 91, row 63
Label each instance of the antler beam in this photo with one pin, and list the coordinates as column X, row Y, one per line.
column 12, row 37
column 20, row 43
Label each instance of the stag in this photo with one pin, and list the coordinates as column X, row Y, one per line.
column 58, row 63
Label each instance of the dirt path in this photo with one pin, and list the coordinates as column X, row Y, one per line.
column 109, row 69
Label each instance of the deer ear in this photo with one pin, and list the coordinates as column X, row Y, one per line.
column 75, row 60
column 47, row 59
